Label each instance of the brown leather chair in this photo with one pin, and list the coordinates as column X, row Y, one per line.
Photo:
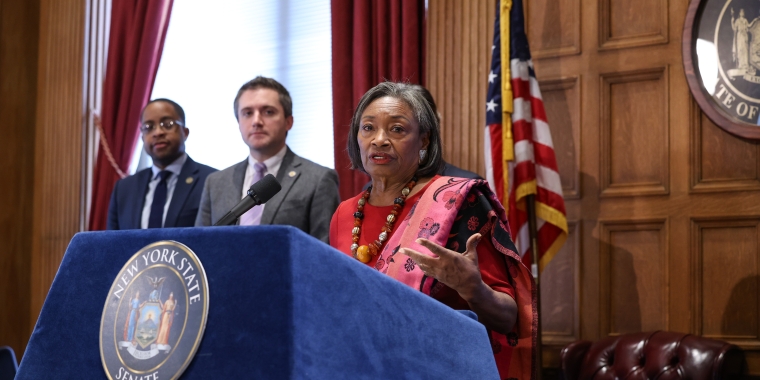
column 652, row 355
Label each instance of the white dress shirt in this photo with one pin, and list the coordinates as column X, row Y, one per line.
column 273, row 166
column 175, row 167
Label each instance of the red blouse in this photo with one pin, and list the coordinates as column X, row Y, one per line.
column 492, row 264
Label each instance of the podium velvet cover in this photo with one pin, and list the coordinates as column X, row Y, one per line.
column 281, row 305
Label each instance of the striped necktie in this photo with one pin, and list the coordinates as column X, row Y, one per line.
column 252, row 217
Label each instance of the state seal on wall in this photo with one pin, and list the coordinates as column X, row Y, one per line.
column 155, row 314
column 721, row 52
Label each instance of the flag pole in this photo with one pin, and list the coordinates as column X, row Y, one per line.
column 530, row 201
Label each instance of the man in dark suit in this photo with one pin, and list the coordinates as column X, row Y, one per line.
column 309, row 194
column 168, row 193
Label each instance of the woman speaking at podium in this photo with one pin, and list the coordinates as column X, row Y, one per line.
column 447, row 237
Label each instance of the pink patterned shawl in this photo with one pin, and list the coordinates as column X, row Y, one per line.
column 437, row 210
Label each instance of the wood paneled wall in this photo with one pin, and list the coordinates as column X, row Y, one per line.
column 59, row 140
column 42, row 64
column 60, row 123
column 19, row 31
column 662, row 204
column 458, row 60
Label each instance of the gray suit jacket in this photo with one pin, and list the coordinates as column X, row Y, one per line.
column 308, row 198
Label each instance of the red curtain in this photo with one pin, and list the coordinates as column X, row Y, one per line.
column 138, row 30
column 371, row 41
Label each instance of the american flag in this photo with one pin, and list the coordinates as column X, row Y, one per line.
column 519, row 152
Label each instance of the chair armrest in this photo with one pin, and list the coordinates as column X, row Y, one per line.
column 571, row 358
column 730, row 363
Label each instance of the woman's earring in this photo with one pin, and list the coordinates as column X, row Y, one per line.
column 422, row 155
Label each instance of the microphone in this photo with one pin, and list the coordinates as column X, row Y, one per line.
column 259, row 193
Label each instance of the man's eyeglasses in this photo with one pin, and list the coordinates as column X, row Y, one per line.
column 166, row 126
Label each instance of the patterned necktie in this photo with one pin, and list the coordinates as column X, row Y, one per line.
column 156, row 219
column 252, row 217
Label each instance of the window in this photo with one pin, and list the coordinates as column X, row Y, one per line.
column 211, row 49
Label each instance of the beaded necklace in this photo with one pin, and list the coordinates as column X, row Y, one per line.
column 365, row 253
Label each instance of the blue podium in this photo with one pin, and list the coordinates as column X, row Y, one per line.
column 282, row 305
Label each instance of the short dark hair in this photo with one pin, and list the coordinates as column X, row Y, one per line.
column 264, row 82
column 424, row 109
column 177, row 108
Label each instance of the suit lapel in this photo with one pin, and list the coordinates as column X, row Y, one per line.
column 143, row 178
column 234, row 193
column 188, row 178
column 287, row 176
column 238, row 178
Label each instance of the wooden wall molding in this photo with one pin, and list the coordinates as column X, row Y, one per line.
column 560, row 292
column 19, row 33
column 553, row 27
column 726, row 275
column 641, row 162
column 459, row 39
column 635, row 251
column 59, row 138
column 637, row 14
column 562, row 101
column 720, row 162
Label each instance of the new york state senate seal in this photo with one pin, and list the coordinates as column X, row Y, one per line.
column 155, row 314
column 730, row 32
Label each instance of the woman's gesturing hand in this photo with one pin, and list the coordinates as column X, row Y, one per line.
column 460, row 272
column 457, row 271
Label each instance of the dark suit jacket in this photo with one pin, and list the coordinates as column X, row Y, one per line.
column 450, row 170
column 308, row 198
column 128, row 198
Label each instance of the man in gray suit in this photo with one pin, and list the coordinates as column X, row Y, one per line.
column 309, row 194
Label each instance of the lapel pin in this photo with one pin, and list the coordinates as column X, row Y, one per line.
column 189, row 180
column 292, row 174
